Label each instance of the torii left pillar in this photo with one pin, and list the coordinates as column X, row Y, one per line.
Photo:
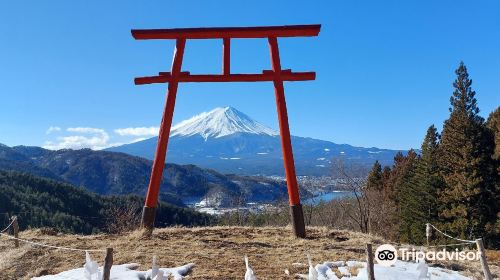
column 149, row 210
column 276, row 75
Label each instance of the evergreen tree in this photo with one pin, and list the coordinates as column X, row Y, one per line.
column 408, row 198
column 419, row 203
column 399, row 174
column 386, row 178
column 374, row 181
column 428, row 178
column 468, row 202
column 493, row 124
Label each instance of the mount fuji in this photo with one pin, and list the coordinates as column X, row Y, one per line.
column 218, row 123
column 229, row 141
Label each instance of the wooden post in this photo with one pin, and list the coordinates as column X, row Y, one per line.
column 369, row 262
column 15, row 230
column 108, row 263
column 482, row 257
column 428, row 233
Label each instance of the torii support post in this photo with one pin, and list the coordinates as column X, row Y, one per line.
column 276, row 75
column 296, row 212
column 149, row 211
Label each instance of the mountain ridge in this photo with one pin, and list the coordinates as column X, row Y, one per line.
column 110, row 173
column 229, row 141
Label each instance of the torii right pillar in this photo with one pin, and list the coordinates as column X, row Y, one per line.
column 297, row 215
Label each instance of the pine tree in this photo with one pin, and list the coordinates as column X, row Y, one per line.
column 399, row 174
column 386, row 179
column 374, row 181
column 493, row 124
column 419, row 199
column 408, row 198
column 468, row 202
column 430, row 181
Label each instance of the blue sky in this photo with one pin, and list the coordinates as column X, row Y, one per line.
column 384, row 68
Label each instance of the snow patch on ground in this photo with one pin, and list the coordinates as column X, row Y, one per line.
column 122, row 272
column 350, row 270
column 400, row 270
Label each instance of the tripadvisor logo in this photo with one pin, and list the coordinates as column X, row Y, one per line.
column 387, row 255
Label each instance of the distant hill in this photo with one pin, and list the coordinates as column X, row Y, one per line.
column 12, row 160
column 229, row 141
column 112, row 173
column 41, row 202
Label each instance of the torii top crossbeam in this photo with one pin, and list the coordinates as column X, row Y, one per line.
column 276, row 75
column 228, row 32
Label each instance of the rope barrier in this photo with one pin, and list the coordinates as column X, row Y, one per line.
column 447, row 245
column 51, row 246
column 462, row 240
column 79, row 216
column 8, row 225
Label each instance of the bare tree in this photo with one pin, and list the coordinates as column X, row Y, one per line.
column 358, row 208
column 368, row 210
column 123, row 218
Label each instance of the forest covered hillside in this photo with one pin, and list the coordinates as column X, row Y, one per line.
column 41, row 202
column 112, row 173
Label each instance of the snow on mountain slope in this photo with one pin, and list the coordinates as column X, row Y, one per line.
column 220, row 122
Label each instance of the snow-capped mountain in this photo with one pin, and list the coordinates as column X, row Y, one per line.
column 229, row 141
column 218, row 123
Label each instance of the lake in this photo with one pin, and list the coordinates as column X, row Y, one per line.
column 329, row 196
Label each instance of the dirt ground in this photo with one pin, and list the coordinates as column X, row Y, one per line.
column 216, row 251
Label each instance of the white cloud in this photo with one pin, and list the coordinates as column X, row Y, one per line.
column 137, row 131
column 52, row 129
column 95, row 139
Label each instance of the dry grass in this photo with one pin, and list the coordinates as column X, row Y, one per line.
column 217, row 251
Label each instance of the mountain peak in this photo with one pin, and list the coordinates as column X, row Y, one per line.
column 227, row 109
column 219, row 122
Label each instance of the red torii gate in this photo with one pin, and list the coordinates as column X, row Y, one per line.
column 276, row 75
